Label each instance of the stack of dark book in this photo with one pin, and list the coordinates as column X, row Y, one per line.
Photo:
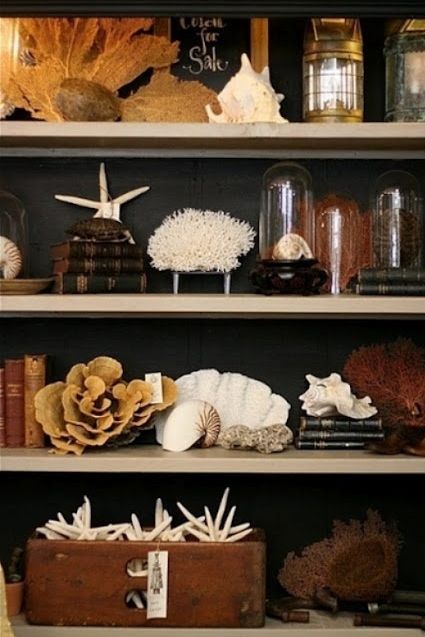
column 97, row 267
column 338, row 432
column 390, row 281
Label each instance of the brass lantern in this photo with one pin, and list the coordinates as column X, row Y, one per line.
column 333, row 71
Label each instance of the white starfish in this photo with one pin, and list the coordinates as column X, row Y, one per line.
column 81, row 528
column 106, row 208
column 211, row 531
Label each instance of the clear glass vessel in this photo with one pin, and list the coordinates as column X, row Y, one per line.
column 397, row 221
column 13, row 226
column 286, row 209
column 337, row 229
column 405, row 71
column 333, row 71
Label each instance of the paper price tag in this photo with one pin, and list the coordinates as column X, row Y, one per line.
column 155, row 379
column 157, row 584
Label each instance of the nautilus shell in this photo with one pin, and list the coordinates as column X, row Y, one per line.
column 292, row 247
column 194, row 421
column 248, row 97
column 10, row 258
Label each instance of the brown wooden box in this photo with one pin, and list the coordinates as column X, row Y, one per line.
column 210, row 584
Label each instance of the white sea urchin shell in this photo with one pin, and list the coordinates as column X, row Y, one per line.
column 238, row 399
column 190, row 240
column 331, row 396
column 248, row 97
column 190, row 422
column 10, row 258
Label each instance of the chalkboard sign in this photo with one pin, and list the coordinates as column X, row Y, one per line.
column 211, row 47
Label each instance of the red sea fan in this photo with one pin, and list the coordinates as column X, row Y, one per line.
column 358, row 562
column 393, row 376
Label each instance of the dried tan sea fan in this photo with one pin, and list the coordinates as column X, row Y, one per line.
column 168, row 99
column 109, row 51
column 358, row 562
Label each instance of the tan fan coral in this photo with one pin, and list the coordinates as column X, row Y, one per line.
column 166, row 99
column 108, row 51
column 358, row 562
column 95, row 406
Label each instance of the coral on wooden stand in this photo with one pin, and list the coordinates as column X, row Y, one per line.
column 394, row 376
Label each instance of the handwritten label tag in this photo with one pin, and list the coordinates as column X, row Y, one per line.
column 155, row 379
column 157, row 584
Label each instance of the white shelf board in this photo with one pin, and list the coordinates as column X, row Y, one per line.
column 321, row 625
column 152, row 459
column 362, row 140
column 215, row 305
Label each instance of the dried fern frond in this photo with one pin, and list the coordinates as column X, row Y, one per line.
column 109, row 51
column 168, row 99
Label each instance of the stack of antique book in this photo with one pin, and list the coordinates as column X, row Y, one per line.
column 337, row 432
column 390, row 281
column 97, row 267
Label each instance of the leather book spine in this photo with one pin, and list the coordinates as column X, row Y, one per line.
column 2, row 410
column 343, row 436
column 402, row 288
column 95, row 249
column 14, row 402
column 34, row 379
column 324, row 444
column 339, row 423
column 99, row 284
column 109, row 266
column 391, row 275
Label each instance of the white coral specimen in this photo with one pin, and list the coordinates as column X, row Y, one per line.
column 190, row 240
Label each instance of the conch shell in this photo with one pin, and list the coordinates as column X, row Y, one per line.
column 330, row 396
column 10, row 258
column 248, row 97
column 292, row 247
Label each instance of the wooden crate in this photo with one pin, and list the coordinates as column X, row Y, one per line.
column 210, row 584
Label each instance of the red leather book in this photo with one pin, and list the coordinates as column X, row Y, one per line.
column 34, row 379
column 2, row 410
column 14, row 402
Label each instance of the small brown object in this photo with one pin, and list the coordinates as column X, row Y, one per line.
column 209, row 584
column 99, row 229
column 297, row 616
column 34, row 380
column 397, row 622
column 80, row 100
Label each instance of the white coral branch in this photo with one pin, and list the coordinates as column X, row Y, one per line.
column 190, row 240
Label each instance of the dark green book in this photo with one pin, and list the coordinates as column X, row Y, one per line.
column 99, row 283
column 401, row 288
column 391, row 275
column 95, row 249
column 339, row 423
column 324, row 444
column 342, row 436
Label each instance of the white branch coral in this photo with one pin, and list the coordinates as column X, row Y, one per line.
column 191, row 240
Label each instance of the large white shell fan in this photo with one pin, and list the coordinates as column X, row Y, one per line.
column 200, row 240
column 238, row 399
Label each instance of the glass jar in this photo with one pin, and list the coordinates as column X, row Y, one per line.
column 286, row 231
column 337, row 235
column 333, row 71
column 14, row 229
column 397, row 221
column 405, row 71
